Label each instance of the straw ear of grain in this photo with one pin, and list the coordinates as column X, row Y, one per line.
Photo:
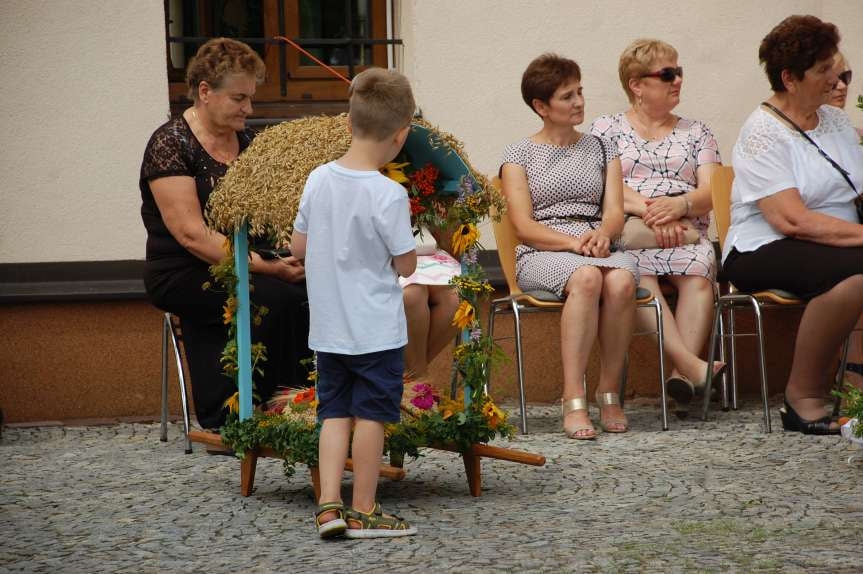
column 264, row 185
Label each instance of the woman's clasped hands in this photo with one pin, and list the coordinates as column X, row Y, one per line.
column 663, row 215
column 592, row 243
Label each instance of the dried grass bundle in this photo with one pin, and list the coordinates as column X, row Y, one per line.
column 263, row 186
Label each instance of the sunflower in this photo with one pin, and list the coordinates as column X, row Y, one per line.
column 465, row 236
column 395, row 171
column 464, row 316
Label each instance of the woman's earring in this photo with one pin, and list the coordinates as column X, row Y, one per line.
column 638, row 101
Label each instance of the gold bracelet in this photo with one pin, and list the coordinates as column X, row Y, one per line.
column 688, row 205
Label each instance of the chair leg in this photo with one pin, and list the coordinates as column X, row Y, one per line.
column 732, row 357
column 723, row 357
column 163, row 432
column 519, row 366
column 660, row 335
column 181, row 377
column 711, row 350
column 762, row 366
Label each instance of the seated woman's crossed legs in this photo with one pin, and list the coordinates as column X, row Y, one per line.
column 582, row 321
column 429, row 310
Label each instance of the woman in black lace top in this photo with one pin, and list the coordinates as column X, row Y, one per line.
column 182, row 163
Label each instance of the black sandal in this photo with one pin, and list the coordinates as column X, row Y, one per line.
column 791, row 421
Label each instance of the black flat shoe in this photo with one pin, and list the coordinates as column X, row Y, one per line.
column 680, row 389
column 791, row 421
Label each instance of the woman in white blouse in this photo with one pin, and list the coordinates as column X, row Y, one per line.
column 794, row 225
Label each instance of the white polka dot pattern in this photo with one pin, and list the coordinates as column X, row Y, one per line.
column 565, row 183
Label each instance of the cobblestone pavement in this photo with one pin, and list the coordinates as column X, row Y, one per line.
column 717, row 496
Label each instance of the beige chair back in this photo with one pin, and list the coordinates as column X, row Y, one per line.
column 505, row 237
column 720, row 191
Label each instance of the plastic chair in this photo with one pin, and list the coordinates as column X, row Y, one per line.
column 720, row 185
column 171, row 330
column 518, row 302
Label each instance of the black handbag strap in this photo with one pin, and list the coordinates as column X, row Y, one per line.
column 823, row 153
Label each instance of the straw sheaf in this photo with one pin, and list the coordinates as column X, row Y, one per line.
column 264, row 185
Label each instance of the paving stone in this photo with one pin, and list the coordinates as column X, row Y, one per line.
column 706, row 496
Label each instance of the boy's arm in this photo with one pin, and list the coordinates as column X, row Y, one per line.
column 406, row 263
column 298, row 245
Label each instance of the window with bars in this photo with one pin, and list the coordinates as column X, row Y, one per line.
column 348, row 35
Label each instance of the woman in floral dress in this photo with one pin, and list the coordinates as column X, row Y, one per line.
column 667, row 162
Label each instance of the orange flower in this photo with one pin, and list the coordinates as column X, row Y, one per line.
column 464, row 237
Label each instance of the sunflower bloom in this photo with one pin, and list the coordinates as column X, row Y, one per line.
column 395, row 172
column 493, row 414
column 464, row 237
column 464, row 316
column 233, row 403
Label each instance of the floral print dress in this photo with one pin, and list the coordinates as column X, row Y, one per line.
column 666, row 167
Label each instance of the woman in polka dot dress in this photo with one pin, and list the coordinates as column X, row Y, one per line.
column 564, row 193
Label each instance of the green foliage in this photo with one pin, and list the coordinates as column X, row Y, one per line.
column 297, row 441
column 853, row 406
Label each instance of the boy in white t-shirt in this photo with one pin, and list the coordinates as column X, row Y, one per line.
column 353, row 230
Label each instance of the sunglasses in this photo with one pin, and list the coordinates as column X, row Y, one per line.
column 666, row 74
column 845, row 77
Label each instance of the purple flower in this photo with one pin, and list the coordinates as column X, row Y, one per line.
column 476, row 334
column 469, row 258
column 466, row 187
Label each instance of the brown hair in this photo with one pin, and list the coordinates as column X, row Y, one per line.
column 381, row 103
column 544, row 75
column 638, row 58
column 795, row 44
column 217, row 59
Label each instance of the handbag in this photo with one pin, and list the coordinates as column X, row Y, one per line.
column 637, row 235
column 858, row 201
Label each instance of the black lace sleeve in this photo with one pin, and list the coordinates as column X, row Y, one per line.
column 168, row 152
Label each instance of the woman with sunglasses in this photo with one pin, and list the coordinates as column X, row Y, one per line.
column 798, row 168
column 839, row 95
column 667, row 162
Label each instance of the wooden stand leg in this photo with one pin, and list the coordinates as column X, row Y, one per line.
column 473, row 470
column 316, row 482
column 247, row 473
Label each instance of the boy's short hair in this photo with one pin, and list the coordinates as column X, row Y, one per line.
column 381, row 103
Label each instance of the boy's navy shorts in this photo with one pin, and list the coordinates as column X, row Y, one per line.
column 365, row 386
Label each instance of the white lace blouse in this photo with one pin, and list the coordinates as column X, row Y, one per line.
column 770, row 157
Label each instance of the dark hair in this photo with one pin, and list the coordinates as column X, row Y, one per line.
column 795, row 44
column 544, row 75
column 218, row 58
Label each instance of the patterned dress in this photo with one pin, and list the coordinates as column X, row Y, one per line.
column 666, row 167
column 566, row 187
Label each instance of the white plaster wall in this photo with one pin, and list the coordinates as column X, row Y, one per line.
column 84, row 85
column 465, row 59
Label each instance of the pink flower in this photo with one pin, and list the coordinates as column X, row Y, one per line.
column 425, row 397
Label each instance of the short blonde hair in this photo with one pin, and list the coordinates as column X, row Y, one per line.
column 841, row 62
column 381, row 103
column 638, row 58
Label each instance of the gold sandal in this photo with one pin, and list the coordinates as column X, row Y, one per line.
column 577, row 405
column 608, row 399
